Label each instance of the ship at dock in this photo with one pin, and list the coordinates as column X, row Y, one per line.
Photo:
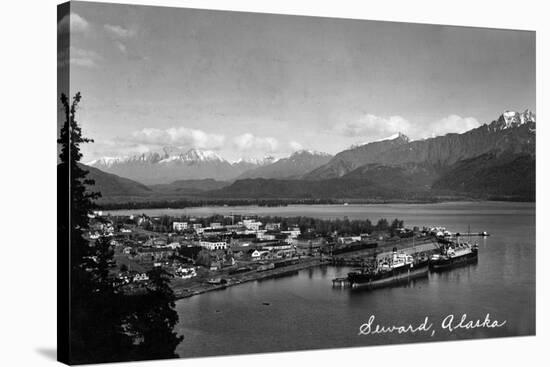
column 395, row 269
column 453, row 254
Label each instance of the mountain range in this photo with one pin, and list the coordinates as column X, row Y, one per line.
column 166, row 167
column 292, row 167
column 162, row 168
column 494, row 160
column 513, row 132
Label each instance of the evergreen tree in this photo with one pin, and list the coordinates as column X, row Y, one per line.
column 95, row 333
column 154, row 318
column 105, row 324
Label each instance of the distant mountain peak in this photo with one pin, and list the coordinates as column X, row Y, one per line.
column 293, row 166
column 268, row 159
column 308, row 152
column 402, row 137
column 104, row 161
column 201, row 155
column 193, row 156
column 511, row 119
column 397, row 137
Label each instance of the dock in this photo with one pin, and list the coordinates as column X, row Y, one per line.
column 480, row 234
column 342, row 261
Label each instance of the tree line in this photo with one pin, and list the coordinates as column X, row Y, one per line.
column 311, row 225
column 191, row 203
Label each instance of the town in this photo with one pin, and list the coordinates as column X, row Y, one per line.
column 208, row 253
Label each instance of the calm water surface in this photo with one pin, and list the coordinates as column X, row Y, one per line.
column 305, row 312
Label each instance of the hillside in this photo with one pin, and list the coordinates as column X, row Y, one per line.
column 111, row 185
column 506, row 177
column 411, row 177
column 512, row 132
column 348, row 160
column 370, row 181
column 189, row 186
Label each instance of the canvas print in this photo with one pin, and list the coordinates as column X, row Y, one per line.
column 234, row 183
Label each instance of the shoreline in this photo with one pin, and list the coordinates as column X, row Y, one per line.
column 182, row 293
column 128, row 211
column 185, row 292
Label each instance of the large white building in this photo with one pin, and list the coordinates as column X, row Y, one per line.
column 179, row 226
column 213, row 245
column 251, row 224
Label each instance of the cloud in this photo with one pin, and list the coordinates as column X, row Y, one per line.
column 119, row 34
column 247, row 142
column 81, row 57
column 371, row 127
column 72, row 22
column 118, row 31
column 452, row 124
column 112, row 148
column 181, row 137
column 78, row 57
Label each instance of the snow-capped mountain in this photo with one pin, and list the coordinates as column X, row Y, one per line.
column 104, row 162
column 172, row 165
column 294, row 166
column 510, row 119
column 256, row 161
column 512, row 132
column 150, row 157
column 397, row 137
column 193, row 156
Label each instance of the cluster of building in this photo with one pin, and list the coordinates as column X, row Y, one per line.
column 246, row 237
column 215, row 246
column 182, row 246
column 438, row 231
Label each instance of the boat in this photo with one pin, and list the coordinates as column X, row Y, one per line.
column 454, row 254
column 396, row 269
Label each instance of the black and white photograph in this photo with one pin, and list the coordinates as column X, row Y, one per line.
column 234, row 183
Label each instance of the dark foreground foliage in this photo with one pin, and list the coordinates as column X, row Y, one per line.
column 106, row 324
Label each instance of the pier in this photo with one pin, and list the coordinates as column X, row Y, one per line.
column 480, row 234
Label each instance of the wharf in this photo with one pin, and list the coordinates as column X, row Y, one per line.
column 241, row 278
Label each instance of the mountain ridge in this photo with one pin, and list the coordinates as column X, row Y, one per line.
column 516, row 131
column 293, row 166
column 497, row 159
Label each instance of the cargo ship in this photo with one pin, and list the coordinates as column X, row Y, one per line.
column 454, row 254
column 396, row 269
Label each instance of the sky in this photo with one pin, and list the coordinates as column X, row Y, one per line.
column 249, row 85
